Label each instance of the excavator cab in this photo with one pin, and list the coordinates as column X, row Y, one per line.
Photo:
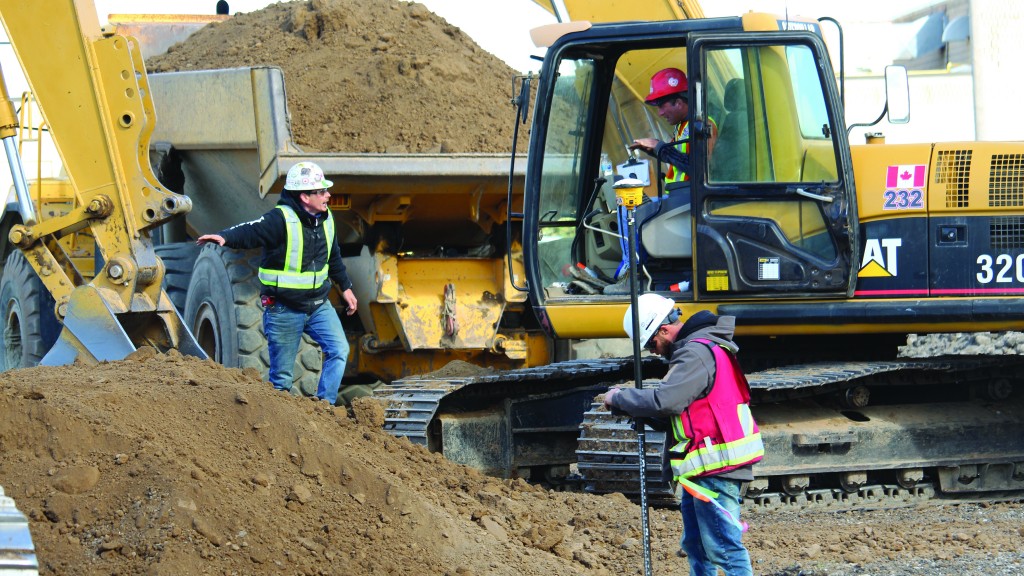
column 769, row 207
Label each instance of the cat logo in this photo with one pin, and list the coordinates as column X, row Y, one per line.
column 879, row 258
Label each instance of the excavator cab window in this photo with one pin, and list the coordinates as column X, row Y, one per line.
column 765, row 206
column 560, row 203
column 773, row 128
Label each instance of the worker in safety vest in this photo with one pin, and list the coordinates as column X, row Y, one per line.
column 300, row 259
column 705, row 398
column 669, row 95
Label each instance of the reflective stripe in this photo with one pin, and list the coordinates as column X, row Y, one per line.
column 299, row 281
column 329, row 233
column 293, row 229
column 674, row 174
column 292, row 276
column 746, row 419
column 709, row 458
column 680, row 433
column 706, row 419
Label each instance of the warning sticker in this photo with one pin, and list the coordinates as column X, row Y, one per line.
column 718, row 280
column 767, row 268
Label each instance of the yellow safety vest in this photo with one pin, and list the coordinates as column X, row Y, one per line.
column 682, row 131
column 674, row 174
column 292, row 276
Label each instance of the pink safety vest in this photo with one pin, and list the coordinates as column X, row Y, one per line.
column 717, row 433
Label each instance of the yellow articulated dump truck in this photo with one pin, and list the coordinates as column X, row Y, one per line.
column 424, row 235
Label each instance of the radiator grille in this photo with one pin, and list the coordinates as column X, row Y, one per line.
column 1006, row 232
column 953, row 168
column 1006, row 180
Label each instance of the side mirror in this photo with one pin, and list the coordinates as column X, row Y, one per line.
column 897, row 94
column 522, row 100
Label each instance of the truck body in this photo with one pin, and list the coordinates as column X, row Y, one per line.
column 422, row 235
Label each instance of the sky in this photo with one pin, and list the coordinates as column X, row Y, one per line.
column 502, row 26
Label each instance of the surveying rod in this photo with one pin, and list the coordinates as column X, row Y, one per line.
column 629, row 192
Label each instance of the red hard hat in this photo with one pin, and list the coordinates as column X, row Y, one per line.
column 665, row 82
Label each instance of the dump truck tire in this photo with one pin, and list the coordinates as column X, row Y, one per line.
column 223, row 310
column 179, row 260
column 29, row 325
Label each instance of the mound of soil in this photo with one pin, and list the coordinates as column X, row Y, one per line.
column 163, row 464
column 392, row 78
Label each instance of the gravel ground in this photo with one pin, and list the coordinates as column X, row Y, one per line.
column 941, row 539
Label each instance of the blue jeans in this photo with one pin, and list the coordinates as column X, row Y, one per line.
column 709, row 538
column 284, row 327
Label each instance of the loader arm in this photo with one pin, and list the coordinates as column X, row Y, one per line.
column 93, row 93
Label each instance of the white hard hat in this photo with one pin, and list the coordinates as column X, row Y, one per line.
column 654, row 309
column 306, row 176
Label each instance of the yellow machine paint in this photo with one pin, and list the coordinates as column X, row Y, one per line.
column 419, row 312
column 96, row 99
column 953, row 184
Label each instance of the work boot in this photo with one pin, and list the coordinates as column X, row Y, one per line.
column 620, row 287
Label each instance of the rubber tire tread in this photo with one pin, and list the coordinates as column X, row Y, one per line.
column 179, row 260
column 225, row 283
column 22, row 292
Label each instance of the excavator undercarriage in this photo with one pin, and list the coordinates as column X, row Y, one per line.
column 855, row 433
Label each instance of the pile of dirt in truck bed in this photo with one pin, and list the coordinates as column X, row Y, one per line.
column 162, row 464
column 388, row 77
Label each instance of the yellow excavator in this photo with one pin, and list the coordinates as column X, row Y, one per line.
column 828, row 254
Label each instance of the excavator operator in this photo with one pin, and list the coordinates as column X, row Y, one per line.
column 668, row 95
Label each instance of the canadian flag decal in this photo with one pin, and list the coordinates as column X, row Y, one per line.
column 905, row 176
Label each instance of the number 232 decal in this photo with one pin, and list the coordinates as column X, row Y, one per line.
column 902, row 199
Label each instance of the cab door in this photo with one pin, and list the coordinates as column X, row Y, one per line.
column 774, row 205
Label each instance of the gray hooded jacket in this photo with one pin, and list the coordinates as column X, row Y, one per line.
column 690, row 376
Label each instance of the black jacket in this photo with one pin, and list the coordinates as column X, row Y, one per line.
column 269, row 232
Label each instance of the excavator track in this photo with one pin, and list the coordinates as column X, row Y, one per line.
column 529, row 417
column 828, row 446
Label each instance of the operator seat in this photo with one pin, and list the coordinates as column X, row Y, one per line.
column 665, row 228
column 730, row 161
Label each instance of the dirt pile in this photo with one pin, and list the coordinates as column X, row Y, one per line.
column 170, row 465
column 161, row 464
column 392, row 78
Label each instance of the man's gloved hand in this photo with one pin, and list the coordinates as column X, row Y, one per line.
column 609, row 395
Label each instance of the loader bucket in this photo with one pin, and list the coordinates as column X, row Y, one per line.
column 17, row 554
column 94, row 332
